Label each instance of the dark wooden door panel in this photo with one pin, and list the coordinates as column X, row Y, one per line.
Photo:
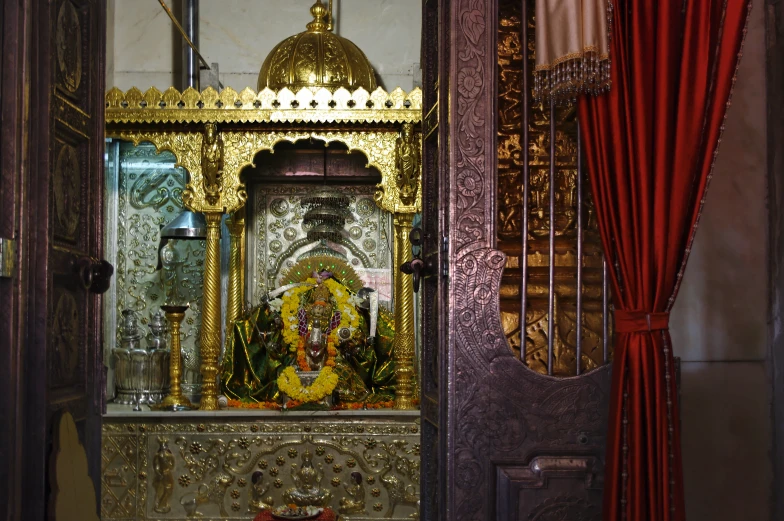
column 550, row 488
column 74, row 362
column 59, row 209
column 13, row 53
column 433, row 480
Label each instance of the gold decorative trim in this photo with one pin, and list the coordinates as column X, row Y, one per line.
column 384, row 130
column 186, row 146
column 266, row 106
column 378, row 146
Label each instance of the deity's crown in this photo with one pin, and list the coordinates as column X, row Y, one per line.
column 320, row 295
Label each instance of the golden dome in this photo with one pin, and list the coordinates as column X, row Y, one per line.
column 317, row 58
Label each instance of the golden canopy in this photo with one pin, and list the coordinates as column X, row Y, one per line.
column 317, row 58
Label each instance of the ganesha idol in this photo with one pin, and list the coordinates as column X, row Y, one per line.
column 320, row 321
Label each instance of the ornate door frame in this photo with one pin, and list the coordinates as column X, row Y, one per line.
column 512, row 444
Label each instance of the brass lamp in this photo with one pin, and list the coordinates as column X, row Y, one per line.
column 187, row 225
column 175, row 400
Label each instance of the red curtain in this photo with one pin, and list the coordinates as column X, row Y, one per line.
column 650, row 146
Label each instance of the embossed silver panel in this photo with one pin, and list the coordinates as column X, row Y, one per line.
column 144, row 193
column 278, row 238
column 216, row 458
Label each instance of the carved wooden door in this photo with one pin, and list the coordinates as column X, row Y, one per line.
column 433, row 288
column 62, row 244
column 500, row 441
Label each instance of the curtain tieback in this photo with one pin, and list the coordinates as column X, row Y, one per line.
column 640, row 321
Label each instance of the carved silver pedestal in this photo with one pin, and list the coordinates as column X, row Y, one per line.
column 167, row 466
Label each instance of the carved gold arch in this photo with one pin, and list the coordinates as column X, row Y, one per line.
column 378, row 147
column 241, row 147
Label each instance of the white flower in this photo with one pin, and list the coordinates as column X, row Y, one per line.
column 347, row 311
column 276, row 304
column 354, row 300
column 338, row 293
column 293, row 327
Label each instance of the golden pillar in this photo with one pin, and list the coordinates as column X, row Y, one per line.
column 175, row 398
column 404, row 317
column 408, row 166
column 210, row 321
column 243, row 263
column 236, row 289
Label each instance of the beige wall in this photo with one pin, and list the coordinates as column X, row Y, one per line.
column 719, row 322
column 238, row 35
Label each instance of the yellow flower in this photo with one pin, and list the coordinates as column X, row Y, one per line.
column 291, row 301
column 322, row 386
column 288, row 381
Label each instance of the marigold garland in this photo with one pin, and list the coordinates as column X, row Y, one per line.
column 322, row 386
column 354, row 406
column 325, row 383
column 288, row 311
column 291, row 304
column 237, row 404
column 275, row 406
column 302, row 361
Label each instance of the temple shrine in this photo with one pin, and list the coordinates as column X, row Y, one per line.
column 358, row 260
column 266, row 225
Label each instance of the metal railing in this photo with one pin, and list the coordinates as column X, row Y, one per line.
column 562, row 295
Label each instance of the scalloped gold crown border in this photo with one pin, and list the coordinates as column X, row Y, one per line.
column 267, row 106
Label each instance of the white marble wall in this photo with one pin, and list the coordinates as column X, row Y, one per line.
column 238, row 35
column 719, row 322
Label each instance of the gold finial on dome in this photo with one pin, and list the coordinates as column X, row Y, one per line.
column 317, row 58
column 319, row 12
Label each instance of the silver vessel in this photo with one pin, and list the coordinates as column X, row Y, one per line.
column 141, row 375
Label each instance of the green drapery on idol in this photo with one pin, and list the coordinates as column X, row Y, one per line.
column 256, row 355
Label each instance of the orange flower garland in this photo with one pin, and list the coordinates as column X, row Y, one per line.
column 236, row 404
column 355, row 406
column 331, row 352
column 390, row 404
column 302, row 362
column 272, row 406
